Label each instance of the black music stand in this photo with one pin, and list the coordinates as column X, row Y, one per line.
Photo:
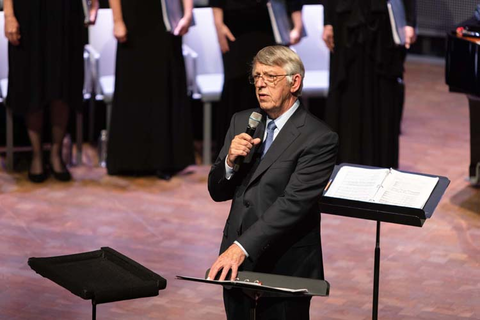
column 103, row 276
column 382, row 212
column 256, row 284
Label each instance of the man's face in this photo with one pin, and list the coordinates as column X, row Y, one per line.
column 273, row 91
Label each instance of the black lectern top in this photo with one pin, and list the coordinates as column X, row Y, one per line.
column 104, row 275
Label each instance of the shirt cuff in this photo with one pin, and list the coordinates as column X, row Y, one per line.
column 228, row 170
column 241, row 247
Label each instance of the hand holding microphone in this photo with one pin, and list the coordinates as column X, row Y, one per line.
column 243, row 143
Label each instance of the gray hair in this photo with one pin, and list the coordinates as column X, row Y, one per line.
column 285, row 58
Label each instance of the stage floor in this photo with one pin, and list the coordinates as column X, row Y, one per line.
column 174, row 228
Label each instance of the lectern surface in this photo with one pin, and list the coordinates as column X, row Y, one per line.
column 104, row 275
column 271, row 283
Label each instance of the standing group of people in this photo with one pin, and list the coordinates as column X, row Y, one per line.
column 151, row 126
column 151, row 130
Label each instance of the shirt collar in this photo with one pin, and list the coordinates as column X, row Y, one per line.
column 280, row 121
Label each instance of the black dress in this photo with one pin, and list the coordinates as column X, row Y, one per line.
column 47, row 65
column 249, row 22
column 150, row 127
column 366, row 91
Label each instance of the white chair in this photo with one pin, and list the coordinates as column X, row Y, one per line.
column 314, row 53
column 3, row 95
column 3, row 92
column 102, row 49
column 208, row 70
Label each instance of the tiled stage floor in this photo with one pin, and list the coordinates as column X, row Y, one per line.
column 174, row 228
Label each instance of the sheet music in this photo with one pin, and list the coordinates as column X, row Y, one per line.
column 357, row 183
column 386, row 186
column 406, row 189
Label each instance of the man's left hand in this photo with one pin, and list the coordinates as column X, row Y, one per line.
column 231, row 259
column 410, row 36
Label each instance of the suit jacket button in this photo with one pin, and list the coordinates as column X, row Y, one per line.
column 247, row 204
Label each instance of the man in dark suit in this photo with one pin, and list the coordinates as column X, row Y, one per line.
column 274, row 221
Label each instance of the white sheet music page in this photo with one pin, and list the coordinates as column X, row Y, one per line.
column 406, row 189
column 356, row 183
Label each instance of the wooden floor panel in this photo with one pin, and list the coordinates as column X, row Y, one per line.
column 174, row 228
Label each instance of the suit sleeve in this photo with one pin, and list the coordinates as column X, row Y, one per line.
column 411, row 12
column 294, row 5
column 304, row 189
column 219, row 187
column 328, row 12
column 217, row 3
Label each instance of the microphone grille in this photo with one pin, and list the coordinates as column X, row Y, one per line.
column 254, row 119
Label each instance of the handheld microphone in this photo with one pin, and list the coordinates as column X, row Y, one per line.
column 253, row 122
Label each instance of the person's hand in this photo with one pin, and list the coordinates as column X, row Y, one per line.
column 240, row 147
column 183, row 25
column 295, row 36
column 328, row 37
column 120, row 31
column 231, row 259
column 410, row 36
column 224, row 34
column 92, row 14
column 12, row 30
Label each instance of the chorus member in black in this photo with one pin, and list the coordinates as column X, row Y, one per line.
column 243, row 28
column 366, row 93
column 151, row 128
column 46, row 39
column 274, row 221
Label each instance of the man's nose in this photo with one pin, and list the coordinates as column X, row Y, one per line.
column 261, row 84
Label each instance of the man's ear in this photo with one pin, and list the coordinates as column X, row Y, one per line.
column 296, row 80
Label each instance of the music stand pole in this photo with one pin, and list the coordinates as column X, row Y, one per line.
column 376, row 274
column 94, row 310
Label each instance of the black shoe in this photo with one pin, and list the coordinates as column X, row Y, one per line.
column 163, row 175
column 38, row 178
column 62, row 176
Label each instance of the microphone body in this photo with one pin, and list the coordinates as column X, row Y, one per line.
column 253, row 123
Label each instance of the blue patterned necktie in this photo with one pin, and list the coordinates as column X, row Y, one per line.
column 270, row 132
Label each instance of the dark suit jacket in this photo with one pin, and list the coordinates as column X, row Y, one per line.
column 274, row 212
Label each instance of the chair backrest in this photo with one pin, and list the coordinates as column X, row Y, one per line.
column 3, row 57
column 311, row 49
column 3, row 49
column 102, row 40
column 202, row 38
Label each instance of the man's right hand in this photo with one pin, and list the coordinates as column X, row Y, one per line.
column 224, row 34
column 241, row 146
column 120, row 31
column 328, row 37
column 12, row 30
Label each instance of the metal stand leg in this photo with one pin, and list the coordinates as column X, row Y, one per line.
column 79, row 137
column 207, row 133
column 253, row 310
column 376, row 274
column 9, row 139
column 94, row 310
column 474, row 169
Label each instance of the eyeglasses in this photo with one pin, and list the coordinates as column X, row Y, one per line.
column 270, row 79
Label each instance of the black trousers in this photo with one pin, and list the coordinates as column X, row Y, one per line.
column 239, row 306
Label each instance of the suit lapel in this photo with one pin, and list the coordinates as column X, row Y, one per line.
column 285, row 138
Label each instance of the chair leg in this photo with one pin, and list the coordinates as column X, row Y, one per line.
column 91, row 123
column 207, row 133
column 109, row 115
column 79, row 138
column 9, row 134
